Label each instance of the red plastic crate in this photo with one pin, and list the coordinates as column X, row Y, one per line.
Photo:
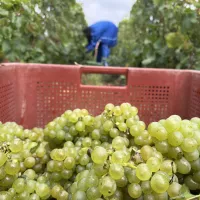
column 34, row 94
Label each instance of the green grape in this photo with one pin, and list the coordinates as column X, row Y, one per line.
column 159, row 183
column 99, row 155
column 135, row 130
column 2, row 173
column 84, row 159
column 146, row 187
column 60, row 154
column 196, row 136
column 118, row 143
column 116, row 171
column 40, row 152
column 65, row 174
column 69, row 163
column 29, row 162
column 191, row 184
column 118, row 157
column 63, row 195
column 154, row 164
column 30, row 174
column 12, row 167
column 107, row 186
column 172, row 124
column 82, row 184
column 183, row 166
column 133, row 110
column 4, row 195
column 100, row 169
column 19, row 185
column 3, row 158
column 79, row 195
column 131, row 176
column 143, row 172
column 72, row 131
column 119, row 119
column 175, row 138
column 174, row 189
column 130, row 122
column 186, row 128
column 92, row 180
column 122, row 127
column 73, row 117
column 69, row 144
column 139, row 140
column 55, row 176
column 80, row 126
column 196, row 176
column 146, row 152
column 122, row 182
column 12, row 192
column 161, row 196
column 87, row 142
column 161, row 134
column 134, row 190
column 195, row 165
column 175, row 153
column 34, row 197
column 60, row 135
column 96, row 134
column 191, row 156
column 109, row 107
column 168, row 166
column 162, row 146
column 16, row 145
column 114, row 132
column 56, row 190
column 189, row 145
column 30, row 186
column 117, row 111
column 42, row 190
column 149, row 197
column 107, row 125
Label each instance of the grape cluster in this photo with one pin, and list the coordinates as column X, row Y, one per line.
column 112, row 156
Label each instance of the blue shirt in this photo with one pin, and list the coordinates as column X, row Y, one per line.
column 106, row 32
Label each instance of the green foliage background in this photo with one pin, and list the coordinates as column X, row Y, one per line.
column 160, row 34
column 48, row 31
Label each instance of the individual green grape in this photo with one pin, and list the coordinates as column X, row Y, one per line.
column 172, row 124
column 162, row 146
column 79, row 195
column 12, row 167
column 116, row 171
column 92, row 180
column 107, row 186
column 80, row 126
column 16, row 145
column 118, row 157
column 99, row 155
column 107, row 125
column 174, row 189
column 196, row 176
column 175, row 138
column 189, row 145
column 63, row 195
column 159, row 183
column 131, row 176
column 73, row 117
column 175, row 153
column 69, row 163
column 118, row 143
column 3, row 158
column 117, row 111
column 93, row 193
column 19, row 185
column 146, row 187
column 30, row 186
column 100, row 169
column 122, row 182
column 195, row 165
column 2, row 173
column 154, row 164
column 119, row 119
column 183, row 166
column 149, row 197
column 114, row 132
column 161, row 134
column 30, row 174
column 143, row 172
column 29, row 162
column 161, row 196
column 168, row 166
column 191, row 184
column 146, row 152
column 186, row 129
column 96, row 134
column 42, row 190
column 4, row 195
column 122, row 127
column 56, row 189
column 34, row 196
column 84, row 159
column 82, row 184
column 135, row 130
column 88, row 120
column 191, row 156
column 130, row 122
column 134, row 190
column 40, row 152
column 59, row 155
column 65, row 174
